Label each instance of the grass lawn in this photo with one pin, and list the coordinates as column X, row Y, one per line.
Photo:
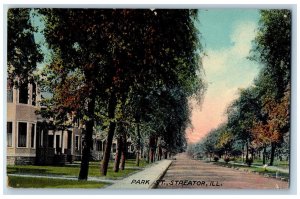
column 132, row 163
column 28, row 182
column 129, row 163
column 282, row 164
column 73, row 170
column 268, row 171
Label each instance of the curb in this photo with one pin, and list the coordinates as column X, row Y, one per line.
column 155, row 184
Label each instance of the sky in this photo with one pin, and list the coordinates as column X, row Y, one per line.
column 226, row 37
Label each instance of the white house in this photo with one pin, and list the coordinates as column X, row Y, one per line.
column 30, row 139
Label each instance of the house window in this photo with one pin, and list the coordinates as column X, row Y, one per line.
column 10, row 93
column 50, row 141
column 23, row 94
column 22, row 134
column 32, row 135
column 9, row 134
column 33, row 98
column 57, row 143
column 58, row 146
column 69, row 144
column 77, row 142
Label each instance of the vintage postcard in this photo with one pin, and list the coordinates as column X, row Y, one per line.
column 148, row 98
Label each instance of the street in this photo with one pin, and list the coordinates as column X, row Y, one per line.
column 185, row 172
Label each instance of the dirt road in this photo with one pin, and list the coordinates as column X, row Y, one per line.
column 185, row 172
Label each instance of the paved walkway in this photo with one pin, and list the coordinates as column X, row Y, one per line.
column 144, row 179
column 185, row 172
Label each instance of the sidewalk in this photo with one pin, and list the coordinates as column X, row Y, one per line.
column 144, row 179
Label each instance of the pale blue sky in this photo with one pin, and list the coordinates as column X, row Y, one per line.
column 216, row 24
column 227, row 36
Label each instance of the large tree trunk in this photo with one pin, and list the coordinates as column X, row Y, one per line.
column 138, row 145
column 84, row 169
column 152, row 148
column 118, row 154
column 243, row 154
column 166, row 154
column 155, row 148
column 124, row 150
column 273, row 147
column 111, row 114
column 247, row 151
column 148, row 155
column 252, row 154
column 264, row 155
column 159, row 152
column 151, row 156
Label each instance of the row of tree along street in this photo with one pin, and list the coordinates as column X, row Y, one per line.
column 129, row 72
column 258, row 121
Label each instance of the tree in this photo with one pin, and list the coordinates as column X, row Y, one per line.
column 242, row 115
column 160, row 65
column 272, row 131
column 103, row 56
column 273, row 49
column 152, row 64
column 83, row 69
column 225, row 141
column 22, row 52
column 209, row 143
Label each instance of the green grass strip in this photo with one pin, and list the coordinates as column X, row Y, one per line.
column 34, row 182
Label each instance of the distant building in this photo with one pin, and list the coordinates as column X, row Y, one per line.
column 99, row 142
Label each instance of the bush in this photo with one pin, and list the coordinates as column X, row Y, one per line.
column 226, row 159
column 249, row 161
column 216, row 158
column 232, row 159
